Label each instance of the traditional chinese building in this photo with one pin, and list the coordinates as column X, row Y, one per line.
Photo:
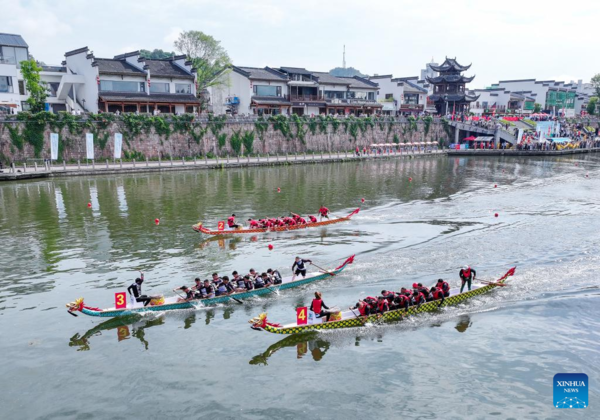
column 449, row 92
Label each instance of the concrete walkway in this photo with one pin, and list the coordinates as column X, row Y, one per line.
column 119, row 167
column 510, row 152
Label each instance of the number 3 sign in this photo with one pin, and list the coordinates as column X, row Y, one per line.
column 120, row 300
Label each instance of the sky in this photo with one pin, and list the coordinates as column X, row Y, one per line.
column 503, row 40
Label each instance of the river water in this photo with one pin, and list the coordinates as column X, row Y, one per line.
column 491, row 357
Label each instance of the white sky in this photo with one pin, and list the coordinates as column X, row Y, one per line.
column 508, row 39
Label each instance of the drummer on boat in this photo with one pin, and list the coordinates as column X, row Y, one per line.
column 467, row 274
column 231, row 222
column 318, row 306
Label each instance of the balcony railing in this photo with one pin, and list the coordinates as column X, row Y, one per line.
column 305, row 98
column 411, row 106
column 6, row 89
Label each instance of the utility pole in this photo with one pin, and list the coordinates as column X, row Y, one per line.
column 344, row 58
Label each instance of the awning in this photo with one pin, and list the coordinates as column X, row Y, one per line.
column 270, row 102
column 388, row 106
column 10, row 105
column 470, row 138
column 484, row 138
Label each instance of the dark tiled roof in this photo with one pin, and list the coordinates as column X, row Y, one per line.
column 262, row 74
column 77, row 51
column 295, row 70
column 270, row 100
column 143, row 97
column 111, row 66
column 329, row 79
column 450, row 64
column 359, row 82
column 414, row 85
column 12, row 40
column 166, row 68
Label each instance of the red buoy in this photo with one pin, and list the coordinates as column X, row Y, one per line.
column 495, row 214
column 157, row 221
column 495, row 185
column 587, row 176
column 270, row 247
column 278, row 189
column 89, row 205
column 362, row 200
column 409, row 179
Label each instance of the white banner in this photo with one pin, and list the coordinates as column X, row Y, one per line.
column 520, row 137
column 89, row 145
column 118, row 145
column 54, row 146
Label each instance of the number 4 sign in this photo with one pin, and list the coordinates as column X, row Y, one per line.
column 302, row 315
column 120, row 300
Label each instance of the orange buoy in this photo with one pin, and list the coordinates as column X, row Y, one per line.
column 270, row 247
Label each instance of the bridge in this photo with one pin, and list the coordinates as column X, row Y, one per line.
column 498, row 133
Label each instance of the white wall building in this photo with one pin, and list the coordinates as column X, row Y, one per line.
column 13, row 50
column 401, row 95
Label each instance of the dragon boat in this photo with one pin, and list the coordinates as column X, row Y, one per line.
column 222, row 228
column 160, row 304
column 352, row 319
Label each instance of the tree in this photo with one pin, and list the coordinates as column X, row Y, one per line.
column 596, row 83
column 591, row 106
column 345, row 72
column 537, row 108
column 208, row 56
column 36, row 88
column 156, row 54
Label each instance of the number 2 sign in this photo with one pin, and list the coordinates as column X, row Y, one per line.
column 302, row 315
column 120, row 300
column 221, row 225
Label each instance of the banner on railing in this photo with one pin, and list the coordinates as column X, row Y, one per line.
column 89, row 146
column 54, row 146
column 118, row 145
column 520, row 136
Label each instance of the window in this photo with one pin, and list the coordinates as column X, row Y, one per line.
column 159, row 88
column 118, row 86
column 389, row 96
column 265, row 90
column 21, row 54
column 357, row 95
column 142, row 86
column 8, row 55
column 371, row 96
column 411, row 98
column 22, row 88
column 183, row 88
column 6, row 84
column 484, row 104
column 334, row 94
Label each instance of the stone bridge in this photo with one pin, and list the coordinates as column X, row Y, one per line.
column 498, row 133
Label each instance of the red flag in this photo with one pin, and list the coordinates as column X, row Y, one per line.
column 354, row 212
column 348, row 261
column 510, row 272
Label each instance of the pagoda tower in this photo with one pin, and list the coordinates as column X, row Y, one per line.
column 449, row 93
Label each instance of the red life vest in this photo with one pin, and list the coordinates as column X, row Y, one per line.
column 323, row 211
column 253, row 223
column 445, row 287
column 313, row 219
column 420, row 298
column 424, row 290
column 383, row 306
column 467, row 273
column 231, row 221
column 362, row 308
column 402, row 299
column 301, row 220
column 316, row 305
column 438, row 294
column 371, row 301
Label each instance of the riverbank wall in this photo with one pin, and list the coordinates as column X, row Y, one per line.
column 147, row 137
column 521, row 153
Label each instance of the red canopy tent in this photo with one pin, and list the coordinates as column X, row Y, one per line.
column 471, row 138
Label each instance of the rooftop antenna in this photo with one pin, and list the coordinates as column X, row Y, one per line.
column 344, row 59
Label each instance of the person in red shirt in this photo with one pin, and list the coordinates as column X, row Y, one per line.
column 313, row 219
column 324, row 212
column 253, row 224
column 231, row 222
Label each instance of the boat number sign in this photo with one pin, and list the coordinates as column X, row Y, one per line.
column 120, row 300
column 302, row 315
column 221, row 225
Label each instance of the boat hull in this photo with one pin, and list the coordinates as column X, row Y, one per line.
column 390, row 316
column 201, row 229
column 194, row 304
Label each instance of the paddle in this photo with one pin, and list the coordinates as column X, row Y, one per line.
column 362, row 319
column 322, row 269
column 494, row 283
column 237, row 300
column 71, row 313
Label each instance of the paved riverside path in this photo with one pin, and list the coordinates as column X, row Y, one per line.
column 514, row 152
column 111, row 167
